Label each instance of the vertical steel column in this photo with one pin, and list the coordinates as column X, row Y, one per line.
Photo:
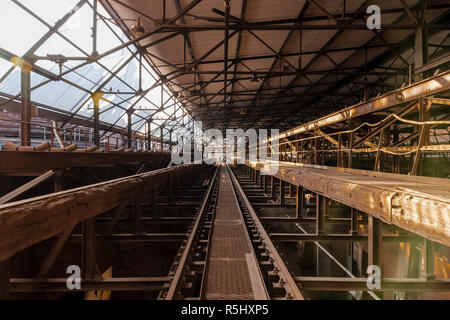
column 129, row 127
column 25, row 127
column 424, row 137
column 282, row 192
column 354, row 222
column 384, row 140
column 428, row 270
column 261, row 180
column 266, row 183
column 96, row 98
column 421, row 48
column 272, row 186
column 149, row 134
column 88, row 249
column 350, row 153
column 321, row 211
column 291, row 190
column 162, row 138
column 375, row 241
column 94, row 29
column 170, row 139
column 300, row 201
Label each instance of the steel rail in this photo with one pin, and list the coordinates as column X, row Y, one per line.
column 176, row 280
column 286, row 279
column 257, row 279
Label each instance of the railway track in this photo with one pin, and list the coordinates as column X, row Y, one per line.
column 228, row 255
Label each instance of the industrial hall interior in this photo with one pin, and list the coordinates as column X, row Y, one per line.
column 225, row 150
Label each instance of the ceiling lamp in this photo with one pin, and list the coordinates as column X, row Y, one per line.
column 243, row 112
column 137, row 29
column 255, row 78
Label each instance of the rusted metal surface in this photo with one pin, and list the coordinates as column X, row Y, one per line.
column 11, row 161
column 417, row 204
column 108, row 284
column 30, row 221
column 181, row 266
column 286, row 281
column 417, row 90
column 228, row 275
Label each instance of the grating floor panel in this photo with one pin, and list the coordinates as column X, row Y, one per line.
column 227, row 276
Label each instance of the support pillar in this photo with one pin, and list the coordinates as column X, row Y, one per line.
column 354, row 225
column 375, row 241
column 321, row 210
column 25, row 127
column 129, row 127
column 88, row 249
column 149, row 134
column 299, row 202
column 96, row 99
column 261, row 180
column 421, row 49
column 428, row 270
column 162, row 138
column 272, row 186
column 282, row 192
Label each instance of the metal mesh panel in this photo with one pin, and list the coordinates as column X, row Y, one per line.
column 227, row 276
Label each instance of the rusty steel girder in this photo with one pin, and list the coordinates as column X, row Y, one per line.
column 430, row 86
column 16, row 161
column 27, row 222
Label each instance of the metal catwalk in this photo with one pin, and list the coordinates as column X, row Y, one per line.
column 232, row 270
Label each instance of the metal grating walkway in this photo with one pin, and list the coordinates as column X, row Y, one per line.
column 230, row 254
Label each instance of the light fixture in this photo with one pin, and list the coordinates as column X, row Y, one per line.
column 137, row 29
column 243, row 112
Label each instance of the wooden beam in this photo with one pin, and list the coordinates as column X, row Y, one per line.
column 30, row 221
